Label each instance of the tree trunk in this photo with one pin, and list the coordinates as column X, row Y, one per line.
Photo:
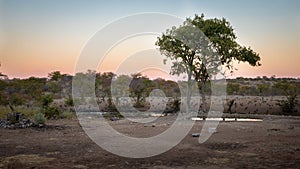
column 138, row 104
column 203, row 87
column 188, row 98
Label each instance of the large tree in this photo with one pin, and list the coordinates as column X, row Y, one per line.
column 199, row 46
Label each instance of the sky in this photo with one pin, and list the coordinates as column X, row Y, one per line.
column 41, row 36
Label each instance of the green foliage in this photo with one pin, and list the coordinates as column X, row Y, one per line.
column 3, row 99
column 233, row 88
column 69, row 101
column 54, row 87
column 46, row 101
column 39, row 118
column 21, row 91
column 176, row 105
column 120, row 87
column 288, row 106
column 140, row 87
column 199, row 46
column 263, row 88
column 27, row 111
column 16, row 99
column 290, row 90
column 56, row 75
column 3, row 84
column 52, row 112
column 103, row 86
column 33, row 87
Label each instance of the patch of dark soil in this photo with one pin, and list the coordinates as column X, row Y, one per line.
column 225, row 146
column 51, row 127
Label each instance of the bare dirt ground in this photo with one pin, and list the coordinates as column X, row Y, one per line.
column 273, row 143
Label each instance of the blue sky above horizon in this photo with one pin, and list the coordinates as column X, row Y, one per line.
column 38, row 37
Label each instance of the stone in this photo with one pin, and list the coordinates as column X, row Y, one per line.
column 12, row 126
column 195, row 134
column 41, row 125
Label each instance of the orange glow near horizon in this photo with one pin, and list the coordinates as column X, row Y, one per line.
column 24, row 58
column 39, row 61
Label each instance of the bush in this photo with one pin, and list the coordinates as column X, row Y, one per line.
column 289, row 106
column 39, row 118
column 46, row 101
column 176, row 105
column 52, row 112
column 69, row 101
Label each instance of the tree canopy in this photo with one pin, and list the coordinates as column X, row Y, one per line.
column 200, row 46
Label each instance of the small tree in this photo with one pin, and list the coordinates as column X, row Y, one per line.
column 263, row 90
column 120, row 87
column 103, row 87
column 46, row 101
column 69, row 101
column 55, row 76
column 50, row 112
column 140, row 87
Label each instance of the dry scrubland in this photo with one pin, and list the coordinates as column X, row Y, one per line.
column 62, row 143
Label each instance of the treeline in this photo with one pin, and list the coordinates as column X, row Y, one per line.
column 30, row 91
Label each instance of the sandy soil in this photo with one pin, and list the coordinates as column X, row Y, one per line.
column 273, row 143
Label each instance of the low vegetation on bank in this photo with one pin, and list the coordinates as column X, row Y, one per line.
column 51, row 97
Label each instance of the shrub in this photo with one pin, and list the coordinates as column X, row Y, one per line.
column 176, row 105
column 289, row 106
column 52, row 112
column 46, row 101
column 69, row 101
column 39, row 118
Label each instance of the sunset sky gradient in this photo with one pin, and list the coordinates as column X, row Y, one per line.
column 40, row 36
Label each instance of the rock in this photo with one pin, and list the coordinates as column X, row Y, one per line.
column 22, row 126
column 21, row 123
column 12, row 126
column 195, row 134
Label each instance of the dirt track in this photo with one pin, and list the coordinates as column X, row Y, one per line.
column 273, row 143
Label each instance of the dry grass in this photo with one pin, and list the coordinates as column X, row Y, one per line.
column 19, row 161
